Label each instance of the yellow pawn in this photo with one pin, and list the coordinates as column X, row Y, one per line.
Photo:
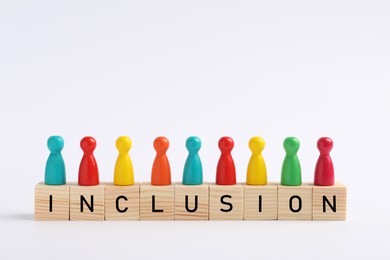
column 257, row 172
column 124, row 173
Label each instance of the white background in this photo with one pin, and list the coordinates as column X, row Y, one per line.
column 205, row 68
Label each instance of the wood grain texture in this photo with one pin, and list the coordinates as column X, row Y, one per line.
column 171, row 199
column 97, row 192
column 60, row 202
column 202, row 193
column 216, row 207
column 285, row 193
column 340, row 192
column 128, row 202
column 164, row 200
column 268, row 204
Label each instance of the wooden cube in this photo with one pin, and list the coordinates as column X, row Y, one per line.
column 86, row 202
column 191, row 202
column 295, row 202
column 157, row 202
column 330, row 202
column 260, row 202
column 226, row 202
column 51, row 202
column 121, row 202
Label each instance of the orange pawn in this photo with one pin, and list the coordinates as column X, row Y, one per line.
column 161, row 171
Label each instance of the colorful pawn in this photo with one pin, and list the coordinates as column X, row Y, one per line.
column 123, row 173
column 161, row 171
column 256, row 172
column 226, row 170
column 55, row 166
column 193, row 173
column 324, row 172
column 291, row 169
column 88, row 171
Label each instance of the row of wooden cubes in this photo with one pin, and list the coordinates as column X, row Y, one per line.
column 185, row 202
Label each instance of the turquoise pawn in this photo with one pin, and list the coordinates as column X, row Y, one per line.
column 55, row 165
column 291, row 169
column 193, row 172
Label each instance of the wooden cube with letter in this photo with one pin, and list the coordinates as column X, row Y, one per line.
column 86, row 202
column 121, row 202
column 295, row 202
column 157, row 202
column 226, row 202
column 330, row 202
column 260, row 202
column 51, row 202
column 191, row 202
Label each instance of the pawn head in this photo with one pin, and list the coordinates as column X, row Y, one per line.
column 291, row 145
column 256, row 144
column 324, row 144
column 226, row 144
column 123, row 144
column 88, row 144
column 161, row 144
column 55, row 144
column 193, row 144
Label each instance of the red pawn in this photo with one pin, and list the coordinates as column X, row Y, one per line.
column 88, row 171
column 226, row 171
column 324, row 172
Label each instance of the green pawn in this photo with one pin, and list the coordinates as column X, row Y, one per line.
column 291, row 169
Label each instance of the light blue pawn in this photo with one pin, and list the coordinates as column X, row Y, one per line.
column 193, row 172
column 55, row 165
